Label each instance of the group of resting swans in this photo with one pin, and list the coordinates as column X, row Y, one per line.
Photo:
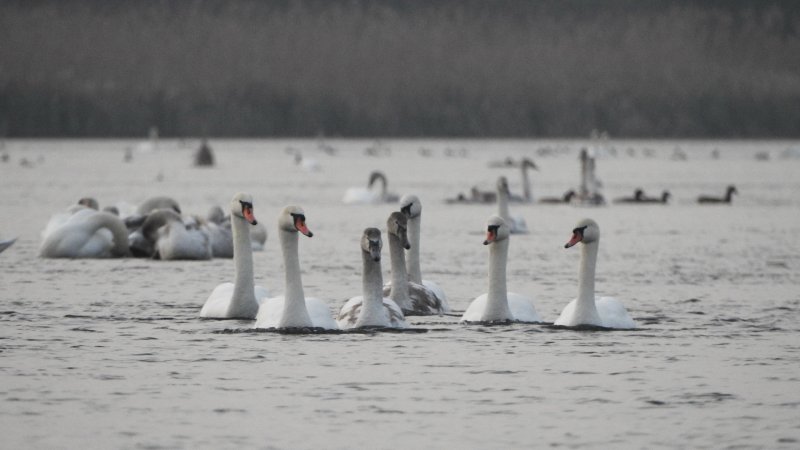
column 157, row 229
column 407, row 294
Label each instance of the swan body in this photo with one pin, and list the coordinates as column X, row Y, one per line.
column 371, row 309
column 85, row 234
column 368, row 195
column 411, row 297
column 411, row 206
column 516, row 224
column 293, row 309
column 240, row 299
column 589, row 309
column 719, row 200
column 499, row 305
column 164, row 235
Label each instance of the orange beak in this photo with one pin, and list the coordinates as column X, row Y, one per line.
column 248, row 215
column 301, row 227
column 576, row 237
column 490, row 237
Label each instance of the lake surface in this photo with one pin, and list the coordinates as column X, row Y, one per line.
column 112, row 354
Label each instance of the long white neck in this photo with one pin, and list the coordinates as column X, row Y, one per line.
column 243, row 303
column 526, row 183
column 372, row 313
column 399, row 277
column 412, row 258
column 584, row 189
column 585, row 308
column 117, row 228
column 497, row 301
column 295, row 313
column 502, row 205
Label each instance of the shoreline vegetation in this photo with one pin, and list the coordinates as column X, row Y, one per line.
column 391, row 68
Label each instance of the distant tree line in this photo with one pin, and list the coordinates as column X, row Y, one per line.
column 634, row 68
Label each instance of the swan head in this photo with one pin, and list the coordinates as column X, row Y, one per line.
column 502, row 185
column 89, row 202
column 293, row 219
column 398, row 226
column 410, row 206
column 586, row 231
column 638, row 194
column 568, row 195
column 528, row 163
column 375, row 176
column 242, row 207
column 371, row 243
column 496, row 230
column 731, row 190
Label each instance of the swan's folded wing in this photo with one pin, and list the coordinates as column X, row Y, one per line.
column 522, row 308
column 613, row 313
column 216, row 306
column 320, row 314
column 348, row 315
column 474, row 312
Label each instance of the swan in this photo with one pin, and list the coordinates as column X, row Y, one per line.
column 566, row 198
column 411, row 206
column 365, row 196
column 412, row 298
column 258, row 232
column 306, row 164
column 293, row 309
column 527, row 196
column 160, row 202
column 167, row 237
column 499, row 305
column 589, row 309
column 240, row 299
column 371, row 309
column 4, row 244
column 516, row 224
column 726, row 199
column 85, row 234
column 589, row 192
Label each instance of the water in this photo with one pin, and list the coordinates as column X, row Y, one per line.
column 111, row 354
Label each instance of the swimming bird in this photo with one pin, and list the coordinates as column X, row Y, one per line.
column 566, row 198
column 368, row 195
column 204, row 156
column 293, row 309
column 589, row 191
column 718, row 200
column 516, row 224
column 527, row 193
column 171, row 238
column 412, row 298
column 499, row 305
column 411, row 206
column 85, row 234
column 589, row 309
column 240, row 299
column 640, row 197
column 371, row 309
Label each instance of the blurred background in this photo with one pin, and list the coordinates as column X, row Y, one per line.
column 391, row 68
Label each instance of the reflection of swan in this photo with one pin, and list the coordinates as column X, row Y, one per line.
column 240, row 299
column 516, row 223
column 411, row 206
column 293, row 309
column 357, row 195
column 173, row 239
column 499, row 305
column 412, row 298
column 566, row 198
column 85, row 234
column 726, row 199
column 589, row 309
column 371, row 309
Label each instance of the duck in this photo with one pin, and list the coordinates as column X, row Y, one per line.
column 588, row 308
column 413, row 298
column 293, row 309
column 719, row 200
column 640, row 197
column 371, row 308
column 411, row 206
column 499, row 305
column 240, row 299
column 566, row 198
column 368, row 195
column 86, row 233
column 516, row 224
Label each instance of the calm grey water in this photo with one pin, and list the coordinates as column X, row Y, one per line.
column 111, row 354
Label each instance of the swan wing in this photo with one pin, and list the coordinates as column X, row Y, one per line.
column 522, row 308
column 438, row 292
column 349, row 313
column 423, row 300
column 613, row 313
column 270, row 312
column 216, row 306
column 474, row 312
column 320, row 314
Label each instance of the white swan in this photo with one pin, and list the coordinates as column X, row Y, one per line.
column 85, row 234
column 293, row 309
column 589, row 309
column 371, row 309
column 412, row 298
column 527, row 192
column 589, row 191
column 411, row 206
column 516, row 224
column 368, row 195
column 240, row 299
column 499, row 305
column 170, row 238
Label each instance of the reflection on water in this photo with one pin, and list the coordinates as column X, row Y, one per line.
column 111, row 353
